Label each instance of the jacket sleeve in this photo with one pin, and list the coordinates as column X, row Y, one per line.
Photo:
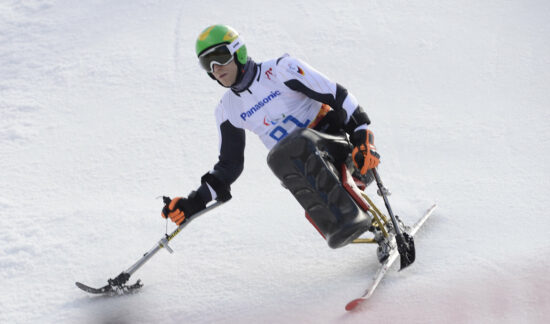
column 299, row 76
column 217, row 182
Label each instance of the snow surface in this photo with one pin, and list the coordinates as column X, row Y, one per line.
column 103, row 108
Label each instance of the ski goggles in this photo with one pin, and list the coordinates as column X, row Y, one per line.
column 220, row 54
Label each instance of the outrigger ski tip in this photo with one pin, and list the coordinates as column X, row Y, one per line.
column 352, row 304
column 115, row 286
column 386, row 265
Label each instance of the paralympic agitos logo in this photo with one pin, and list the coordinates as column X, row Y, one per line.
column 260, row 104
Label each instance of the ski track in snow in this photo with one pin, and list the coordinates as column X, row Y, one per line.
column 103, row 108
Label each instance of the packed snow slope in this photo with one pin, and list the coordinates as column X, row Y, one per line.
column 103, row 108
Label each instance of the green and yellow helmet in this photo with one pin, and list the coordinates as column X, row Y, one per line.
column 215, row 35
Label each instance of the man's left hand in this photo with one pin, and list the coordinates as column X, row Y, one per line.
column 364, row 153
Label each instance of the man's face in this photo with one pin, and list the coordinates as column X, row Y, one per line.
column 225, row 74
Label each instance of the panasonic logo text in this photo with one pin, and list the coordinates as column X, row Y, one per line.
column 260, row 104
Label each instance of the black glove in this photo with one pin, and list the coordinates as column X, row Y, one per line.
column 222, row 189
column 178, row 209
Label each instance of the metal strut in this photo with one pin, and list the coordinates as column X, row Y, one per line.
column 405, row 242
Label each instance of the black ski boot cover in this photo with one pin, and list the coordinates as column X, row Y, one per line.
column 305, row 163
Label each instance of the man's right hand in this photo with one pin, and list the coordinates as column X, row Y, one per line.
column 174, row 210
column 178, row 209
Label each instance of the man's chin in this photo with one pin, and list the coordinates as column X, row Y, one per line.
column 225, row 83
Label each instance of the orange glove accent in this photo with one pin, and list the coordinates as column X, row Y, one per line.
column 368, row 157
column 173, row 211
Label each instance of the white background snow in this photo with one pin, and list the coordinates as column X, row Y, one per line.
column 103, row 107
